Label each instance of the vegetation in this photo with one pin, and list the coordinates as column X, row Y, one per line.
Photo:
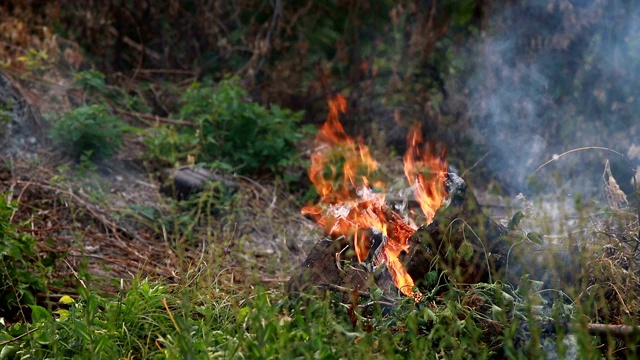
column 95, row 263
column 225, row 130
column 90, row 131
column 20, row 283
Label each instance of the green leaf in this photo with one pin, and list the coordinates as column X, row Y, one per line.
column 66, row 299
column 26, row 295
column 39, row 314
column 7, row 351
column 535, row 237
column 63, row 314
column 431, row 279
column 466, row 250
column 242, row 314
column 514, row 223
column 376, row 293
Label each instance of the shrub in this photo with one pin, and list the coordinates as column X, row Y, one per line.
column 94, row 86
column 229, row 131
column 89, row 130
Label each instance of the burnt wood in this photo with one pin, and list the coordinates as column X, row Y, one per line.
column 471, row 247
column 461, row 240
column 333, row 261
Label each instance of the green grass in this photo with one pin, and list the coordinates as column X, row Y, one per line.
column 202, row 320
column 207, row 314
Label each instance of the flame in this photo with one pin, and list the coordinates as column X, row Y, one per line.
column 425, row 170
column 348, row 207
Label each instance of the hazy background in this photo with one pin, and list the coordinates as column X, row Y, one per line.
column 505, row 85
column 552, row 76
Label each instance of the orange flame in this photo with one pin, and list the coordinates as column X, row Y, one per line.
column 349, row 207
column 425, row 170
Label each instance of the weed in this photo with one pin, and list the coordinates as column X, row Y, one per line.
column 19, row 283
column 229, row 132
column 95, row 87
column 6, row 111
column 91, row 81
column 89, row 130
column 182, row 216
column 35, row 59
column 201, row 319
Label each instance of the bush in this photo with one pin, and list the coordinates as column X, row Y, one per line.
column 90, row 131
column 229, row 131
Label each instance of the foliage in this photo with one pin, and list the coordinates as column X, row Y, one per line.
column 19, row 283
column 183, row 218
column 90, row 131
column 91, row 81
column 6, row 111
column 94, row 86
column 229, row 131
column 544, row 74
column 200, row 317
column 295, row 53
column 151, row 320
column 94, row 327
column 34, row 59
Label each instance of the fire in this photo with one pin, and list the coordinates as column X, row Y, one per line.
column 349, row 207
column 425, row 170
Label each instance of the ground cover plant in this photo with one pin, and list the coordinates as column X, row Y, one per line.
column 241, row 136
column 89, row 131
column 98, row 102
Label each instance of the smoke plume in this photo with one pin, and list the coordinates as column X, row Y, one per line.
column 549, row 77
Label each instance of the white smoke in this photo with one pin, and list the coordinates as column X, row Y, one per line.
column 551, row 76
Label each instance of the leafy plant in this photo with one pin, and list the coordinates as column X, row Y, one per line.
column 151, row 320
column 6, row 110
column 229, row 131
column 19, row 284
column 34, row 59
column 89, row 130
column 95, row 87
column 91, row 81
column 94, row 326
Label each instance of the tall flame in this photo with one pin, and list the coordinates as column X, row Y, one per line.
column 347, row 204
column 425, row 170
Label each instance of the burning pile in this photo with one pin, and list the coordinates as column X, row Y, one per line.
column 349, row 206
column 367, row 243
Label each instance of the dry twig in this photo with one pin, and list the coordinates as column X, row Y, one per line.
column 3, row 343
column 619, row 331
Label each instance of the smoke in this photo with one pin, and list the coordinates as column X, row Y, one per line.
column 551, row 76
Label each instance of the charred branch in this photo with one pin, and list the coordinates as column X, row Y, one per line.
column 461, row 240
column 332, row 264
column 470, row 247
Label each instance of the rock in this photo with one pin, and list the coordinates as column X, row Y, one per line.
column 188, row 180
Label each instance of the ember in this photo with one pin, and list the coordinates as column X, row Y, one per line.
column 349, row 207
